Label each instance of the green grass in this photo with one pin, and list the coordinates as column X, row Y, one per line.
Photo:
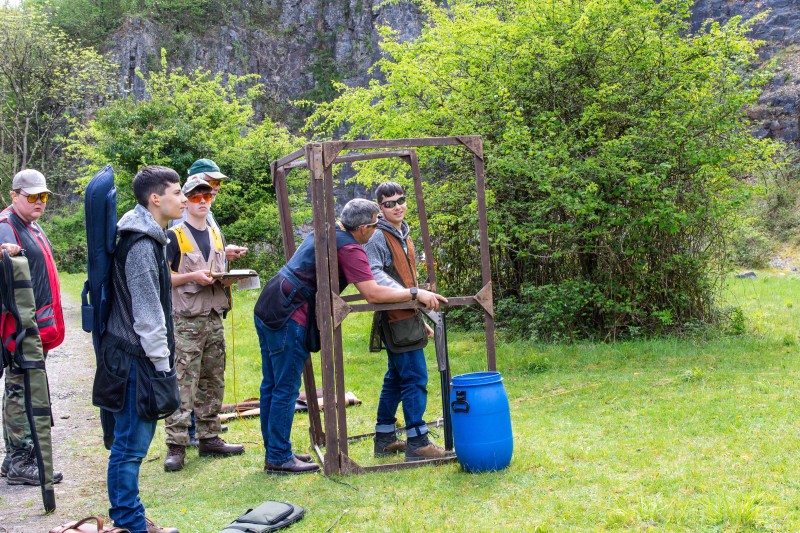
column 676, row 434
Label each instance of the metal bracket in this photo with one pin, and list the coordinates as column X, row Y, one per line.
column 330, row 150
column 340, row 309
column 484, row 298
column 473, row 142
column 349, row 466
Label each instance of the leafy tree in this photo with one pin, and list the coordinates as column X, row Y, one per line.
column 89, row 20
column 614, row 138
column 186, row 117
column 94, row 20
column 47, row 84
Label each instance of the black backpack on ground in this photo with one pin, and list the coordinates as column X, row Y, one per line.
column 269, row 516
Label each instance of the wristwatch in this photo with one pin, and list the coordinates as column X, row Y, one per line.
column 414, row 292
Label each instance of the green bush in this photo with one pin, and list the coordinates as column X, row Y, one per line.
column 615, row 145
column 92, row 21
column 554, row 312
column 751, row 246
column 732, row 320
column 190, row 116
column 66, row 229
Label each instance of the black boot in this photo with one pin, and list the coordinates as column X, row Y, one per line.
column 24, row 471
column 388, row 444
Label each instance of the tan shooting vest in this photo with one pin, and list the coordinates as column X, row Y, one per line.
column 193, row 299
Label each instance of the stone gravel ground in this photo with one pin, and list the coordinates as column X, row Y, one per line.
column 77, row 441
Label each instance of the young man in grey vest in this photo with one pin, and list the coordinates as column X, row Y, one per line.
column 392, row 259
column 194, row 252
column 139, row 344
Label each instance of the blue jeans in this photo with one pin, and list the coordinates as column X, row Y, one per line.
column 283, row 356
column 132, row 437
column 406, row 380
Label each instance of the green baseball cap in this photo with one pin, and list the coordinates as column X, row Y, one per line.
column 207, row 167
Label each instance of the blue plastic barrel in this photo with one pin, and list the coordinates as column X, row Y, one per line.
column 481, row 421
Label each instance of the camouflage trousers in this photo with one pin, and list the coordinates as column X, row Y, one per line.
column 16, row 429
column 200, row 364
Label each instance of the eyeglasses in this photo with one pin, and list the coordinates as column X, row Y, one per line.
column 388, row 204
column 213, row 182
column 195, row 198
column 33, row 198
column 371, row 225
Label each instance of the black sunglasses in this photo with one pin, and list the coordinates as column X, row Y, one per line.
column 388, row 204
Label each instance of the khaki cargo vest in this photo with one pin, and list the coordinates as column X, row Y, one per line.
column 193, row 299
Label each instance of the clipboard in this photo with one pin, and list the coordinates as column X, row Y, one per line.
column 237, row 274
column 245, row 278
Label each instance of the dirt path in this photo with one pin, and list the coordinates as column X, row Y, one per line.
column 77, row 440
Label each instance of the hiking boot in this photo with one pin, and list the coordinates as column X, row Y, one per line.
column 388, row 444
column 292, row 466
column 421, row 449
column 6, row 465
column 217, row 446
column 25, row 471
column 176, row 455
column 306, row 458
column 153, row 528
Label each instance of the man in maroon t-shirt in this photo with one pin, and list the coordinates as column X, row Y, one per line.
column 284, row 349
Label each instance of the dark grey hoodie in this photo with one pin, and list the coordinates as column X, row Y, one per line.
column 379, row 254
column 141, row 270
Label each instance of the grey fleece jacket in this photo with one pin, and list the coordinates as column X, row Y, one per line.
column 380, row 256
column 141, row 271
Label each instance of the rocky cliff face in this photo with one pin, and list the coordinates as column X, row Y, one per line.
column 296, row 46
column 777, row 114
column 780, row 28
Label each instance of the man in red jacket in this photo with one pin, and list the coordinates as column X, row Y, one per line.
column 29, row 195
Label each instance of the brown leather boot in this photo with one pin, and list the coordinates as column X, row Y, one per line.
column 176, row 455
column 421, row 449
column 292, row 466
column 153, row 528
column 217, row 446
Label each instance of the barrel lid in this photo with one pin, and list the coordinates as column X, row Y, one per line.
column 475, row 379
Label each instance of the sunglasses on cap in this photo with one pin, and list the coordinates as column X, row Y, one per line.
column 32, row 198
column 195, row 198
column 213, row 182
column 388, row 204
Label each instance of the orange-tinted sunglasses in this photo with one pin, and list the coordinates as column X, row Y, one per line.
column 195, row 198
column 32, row 198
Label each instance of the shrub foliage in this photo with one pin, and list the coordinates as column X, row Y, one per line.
column 190, row 116
column 48, row 83
column 615, row 141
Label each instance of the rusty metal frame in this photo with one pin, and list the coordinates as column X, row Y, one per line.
column 319, row 158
